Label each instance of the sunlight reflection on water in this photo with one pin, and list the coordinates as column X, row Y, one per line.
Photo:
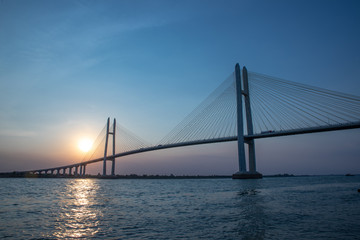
column 271, row 208
column 77, row 217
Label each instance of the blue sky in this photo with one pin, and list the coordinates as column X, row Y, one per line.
column 65, row 66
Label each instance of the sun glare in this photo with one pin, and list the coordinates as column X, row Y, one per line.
column 85, row 144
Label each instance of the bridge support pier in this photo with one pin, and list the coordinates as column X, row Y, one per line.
column 243, row 173
column 113, row 161
column 82, row 170
column 113, row 167
column 106, row 147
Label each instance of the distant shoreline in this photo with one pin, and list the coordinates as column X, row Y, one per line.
column 135, row 176
column 130, row 176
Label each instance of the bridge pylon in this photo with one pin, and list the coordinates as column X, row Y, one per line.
column 106, row 147
column 240, row 94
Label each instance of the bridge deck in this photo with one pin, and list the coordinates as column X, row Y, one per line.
column 305, row 130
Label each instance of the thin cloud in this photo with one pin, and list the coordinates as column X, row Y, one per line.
column 17, row 133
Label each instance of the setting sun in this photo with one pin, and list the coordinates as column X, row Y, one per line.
column 85, row 144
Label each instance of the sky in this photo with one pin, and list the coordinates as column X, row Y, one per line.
column 66, row 66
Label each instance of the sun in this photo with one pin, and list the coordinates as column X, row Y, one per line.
column 85, row 144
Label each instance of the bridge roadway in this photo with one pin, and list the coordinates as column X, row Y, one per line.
column 199, row 142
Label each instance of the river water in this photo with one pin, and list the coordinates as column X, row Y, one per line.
column 317, row 207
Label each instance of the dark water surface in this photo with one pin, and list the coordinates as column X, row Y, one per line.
column 326, row 207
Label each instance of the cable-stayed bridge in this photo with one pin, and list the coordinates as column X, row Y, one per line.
column 245, row 107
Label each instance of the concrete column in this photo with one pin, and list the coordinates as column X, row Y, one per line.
column 249, row 124
column 113, row 161
column 106, row 146
column 240, row 128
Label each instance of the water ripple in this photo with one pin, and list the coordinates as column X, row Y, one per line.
column 274, row 208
